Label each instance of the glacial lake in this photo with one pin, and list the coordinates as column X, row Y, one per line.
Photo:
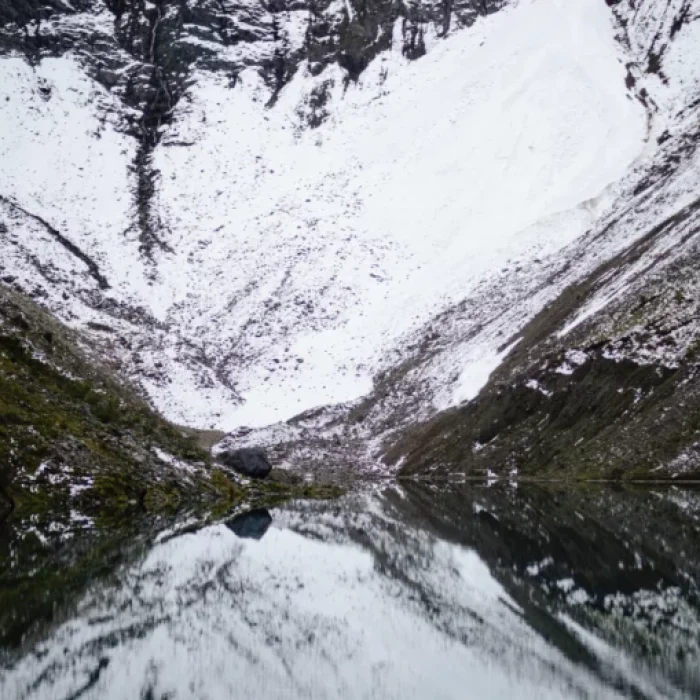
column 416, row 590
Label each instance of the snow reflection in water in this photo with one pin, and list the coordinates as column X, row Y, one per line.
column 414, row 592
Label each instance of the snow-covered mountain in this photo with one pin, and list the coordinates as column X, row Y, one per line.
column 256, row 210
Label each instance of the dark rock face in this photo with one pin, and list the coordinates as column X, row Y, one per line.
column 250, row 462
column 146, row 55
column 251, row 525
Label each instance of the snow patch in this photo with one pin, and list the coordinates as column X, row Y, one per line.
column 330, row 245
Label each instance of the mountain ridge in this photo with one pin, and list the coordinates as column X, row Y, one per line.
column 266, row 172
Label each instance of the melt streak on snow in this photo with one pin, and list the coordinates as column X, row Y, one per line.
column 302, row 257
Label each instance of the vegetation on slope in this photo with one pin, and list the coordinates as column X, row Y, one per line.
column 89, row 474
column 71, row 435
column 74, row 439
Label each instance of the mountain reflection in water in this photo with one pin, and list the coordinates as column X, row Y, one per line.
column 411, row 591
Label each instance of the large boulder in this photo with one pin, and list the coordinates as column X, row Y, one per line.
column 249, row 461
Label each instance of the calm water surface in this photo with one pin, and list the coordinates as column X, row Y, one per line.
column 396, row 592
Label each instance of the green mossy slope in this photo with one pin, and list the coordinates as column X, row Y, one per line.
column 75, row 439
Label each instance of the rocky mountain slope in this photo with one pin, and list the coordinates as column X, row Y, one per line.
column 73, row 441
column 81, row 450
column 449, row 236
column 603, row 381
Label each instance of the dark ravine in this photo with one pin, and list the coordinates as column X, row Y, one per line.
column 73, row 249
column 147, row 61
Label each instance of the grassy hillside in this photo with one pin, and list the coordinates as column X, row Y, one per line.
column 75, row 439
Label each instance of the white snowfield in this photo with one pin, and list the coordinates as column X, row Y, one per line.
column 62, row 159
column 303, row 259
